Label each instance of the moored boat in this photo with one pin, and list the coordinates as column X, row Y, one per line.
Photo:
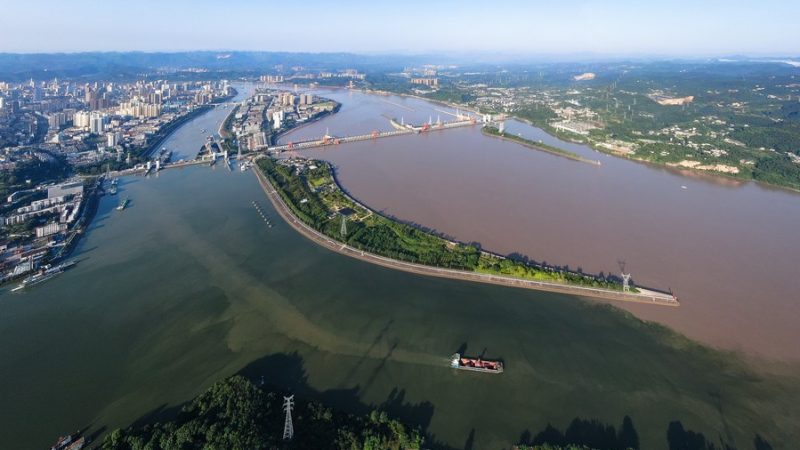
column 69, row 442
column 43, row 275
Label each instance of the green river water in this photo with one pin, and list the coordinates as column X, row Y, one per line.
column 188, row 285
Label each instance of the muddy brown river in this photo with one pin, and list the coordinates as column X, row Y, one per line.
column 188, row 285
column 728, row 249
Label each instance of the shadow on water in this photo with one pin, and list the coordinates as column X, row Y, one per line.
column 125, row 181
column 470, row 443
column 591, row 433
column 594, row 434
column 285, row 373
column 379, row 368
column 83, row 251
column 366, row 354
column 760, row 443
column 95, row 434
column 99, row 219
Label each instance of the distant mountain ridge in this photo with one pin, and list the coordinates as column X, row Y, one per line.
column 16, row 66
column 122, row 65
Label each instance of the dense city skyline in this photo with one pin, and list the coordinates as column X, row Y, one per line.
column 615, row 28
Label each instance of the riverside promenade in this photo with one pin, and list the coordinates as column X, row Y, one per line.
column 644, row 296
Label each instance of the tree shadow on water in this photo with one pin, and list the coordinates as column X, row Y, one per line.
column 286, row 372
column 365, row 356
column 760, row 443
column 590, row 433
column 594, row 434
column 470, row 443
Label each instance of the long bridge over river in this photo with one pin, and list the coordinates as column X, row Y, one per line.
column 400, row 130
column 209, row 156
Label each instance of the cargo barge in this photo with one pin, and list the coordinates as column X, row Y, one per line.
column 70, row 442
column 475, row 364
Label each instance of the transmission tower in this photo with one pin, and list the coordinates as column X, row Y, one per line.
column 288, row 429
column 626, row 277
column 343, row 229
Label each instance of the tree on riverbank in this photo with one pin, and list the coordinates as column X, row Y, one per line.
column 235, row 414
column 310, row 190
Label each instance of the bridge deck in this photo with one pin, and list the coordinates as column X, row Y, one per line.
column 325, row 141
column 209, row 155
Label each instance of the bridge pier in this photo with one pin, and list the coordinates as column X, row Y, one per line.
column 399, row 131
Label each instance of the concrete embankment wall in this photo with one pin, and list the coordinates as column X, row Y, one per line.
column 339, row 247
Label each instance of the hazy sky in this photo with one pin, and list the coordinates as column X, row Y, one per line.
column 611, row 27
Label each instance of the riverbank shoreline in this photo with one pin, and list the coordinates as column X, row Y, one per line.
column 682, row 171
column 418, row 97
column 82, row 224
column 176, row 124
column 687, row 172
column 542, row 148
column 276, row 138
column 646, row 297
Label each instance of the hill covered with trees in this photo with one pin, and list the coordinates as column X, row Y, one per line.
column 235, row 414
